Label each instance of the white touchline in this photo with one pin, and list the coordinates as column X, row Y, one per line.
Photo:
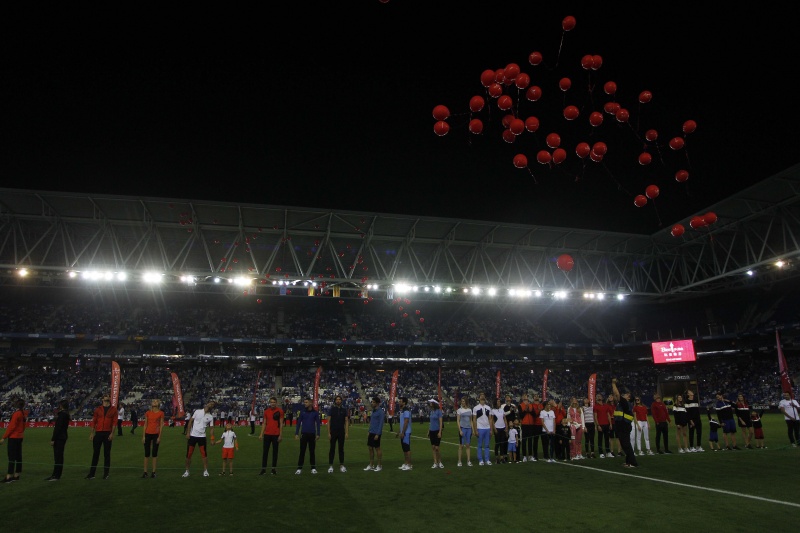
column 697, row 487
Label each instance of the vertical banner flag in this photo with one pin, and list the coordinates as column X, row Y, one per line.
column 441, row 405
column 255, row 392
column 544, row 386
column 497, row 385
column 393, row 392
column 316, row 388
column 592, row 388
column 115, row 379
column 786, row 383
column 177, row 396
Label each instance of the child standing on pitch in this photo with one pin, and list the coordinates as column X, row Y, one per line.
column 713, row 433
column 229, row 442
column 758, row 428
column 512, row 441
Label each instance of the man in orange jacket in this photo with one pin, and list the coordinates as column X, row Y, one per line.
column 104, row 419
column 14, row 434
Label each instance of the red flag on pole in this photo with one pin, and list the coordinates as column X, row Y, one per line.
column 316, row 388
column 441, row 405
column 544, row 386
column 497, row 385
column 592, row 388
column 255, row 392
column 177, row 396
column 393, row 392
column 115, row 379
column 786, row 383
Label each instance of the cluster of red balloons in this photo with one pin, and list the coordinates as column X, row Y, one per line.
column 696, row 222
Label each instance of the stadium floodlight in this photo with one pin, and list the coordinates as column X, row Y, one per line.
column 22, row 272
column 427, row 289
column 560, row 295
column 476, row 291
column 780, row 263
column 601, row 296
column 492, row 291
column 152, row 277
column 217, row 279
column 620, row 297
column 537, row 293
column 122, row 276
column 437, row 289
column 750, row 273
column 402, row 288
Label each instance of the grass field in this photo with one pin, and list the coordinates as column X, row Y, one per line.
column 725, row 491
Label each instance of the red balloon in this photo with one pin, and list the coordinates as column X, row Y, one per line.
column 594, row 156
column 677, row 230
column 531, row 124
column 495, row 90
column 710, row 218
column 681, row 176
column 508, row 136
column 571, row 112
column 511, row 71
column 610, row 88
column 476, row 103
column 652, row 192
column 258, row 301
column 689, row 126
column 533, row 93
column 520, row 161
column 517, row 126
column 645, row 97
column 476, row 126
column 544, row 157
column 597, row 62
column 559, row 155
column 440, row 112
column 651, row 135
column 622, row 115
column 500, row 75
column 487, row 77
column 582, row 150
column 441, row 128
column 568, row 23
column 596, row 118
column 506, row 122
column 534, row 58
column 586, row 62
column 505, row 102
column 422, row 320
column 564, row 84
column 697, row 222
column 341, row 302
column 645, row 158
column 565, row 262
column 600, row 148
column 553, row 140
column 676, row 143
column 522, row 80
column 611, row 108
column 640, row 200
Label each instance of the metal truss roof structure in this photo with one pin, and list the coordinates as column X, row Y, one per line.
column 54, row 233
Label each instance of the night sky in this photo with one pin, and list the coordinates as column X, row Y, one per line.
column 329, row 105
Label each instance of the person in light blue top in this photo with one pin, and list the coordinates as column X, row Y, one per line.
column 376, row 420
column 435, row 432
column 404, row 434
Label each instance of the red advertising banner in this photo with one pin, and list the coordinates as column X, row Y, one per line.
column 393, row 392
column 497, row 385
column 316, row 388
column 544, row 386
column 177, row 396
column 115, row 379
column 592, row 388
column 786, row 382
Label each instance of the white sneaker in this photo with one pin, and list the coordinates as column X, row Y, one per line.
column 681, row 450
column 205, row 473
column 378, row 468
column 602, row 456
column 534, row 459
column 609, row 454
column 298, row 472
column 342, row 469
column 459, row 464
column 641, row 453
column 330, row 470
column 368, row 467
column 441, row 465
column 313, row 470
column 405, row 467
column 551, row 461
column 699, row 449
column 481, row 463
column 691, row 450
column 185, row 474
column 650, row 452
column 488, row 463
column 468, row 463
column 525, row 459
column 435, row 465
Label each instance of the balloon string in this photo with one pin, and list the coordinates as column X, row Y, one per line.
column 658, row 217
column 532, row 175
column 619, row 185
column 560, row 45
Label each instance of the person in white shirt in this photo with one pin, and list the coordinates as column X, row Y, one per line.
column 201, row 419
column 548, row 417
column 253, row 421
column 120, row 418
column 229, row 442
column 464, row 416
column 513, row 432
column 500, row 430
column 789, row 407
column 482, row 426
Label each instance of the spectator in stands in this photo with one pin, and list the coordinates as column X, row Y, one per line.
column 695, row 424
column 15, row 432
column 59, row 440
column 791, row 414
column 271, row 435
column 435, row 432
column 338, row 431
column 153, row 425
column 102, row 435
column 660, row 413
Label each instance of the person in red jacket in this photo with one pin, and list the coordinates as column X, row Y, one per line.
column 104, row 420
column 14, row 433
column 660, row 413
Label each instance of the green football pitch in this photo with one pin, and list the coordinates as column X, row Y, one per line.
column 727, row 491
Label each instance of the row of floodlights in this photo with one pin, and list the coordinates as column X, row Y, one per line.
column 492, row 291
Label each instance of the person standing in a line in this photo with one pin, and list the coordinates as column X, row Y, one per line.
column 575, row 416
column 744, row 420
column 376, row 420
column 500, row 432
column 641, row 427
column 102, row 435
column 603, row 421
column 59, row 439
column 527, row 423
column 405, row 433
column 589, row 427
column 660, row 413
column 695, row 422
column 725, row 413
column 15, row 432
column 120, row 418
column 482, row 427
column 791, row 414
column 307, row 430
column 623, row 423
column 229, row 441
column 153, row 425
column 134, row 419
column 435, row 432
column 252, row 420
column 338, row 432
column 464, row 415
column 271, row 435
column 548, row 418
column 681, row 421
column 196, row 435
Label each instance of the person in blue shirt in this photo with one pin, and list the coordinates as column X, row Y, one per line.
column 376, row 420
column 307, row 430
column 435, row 432
column 405, row 433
